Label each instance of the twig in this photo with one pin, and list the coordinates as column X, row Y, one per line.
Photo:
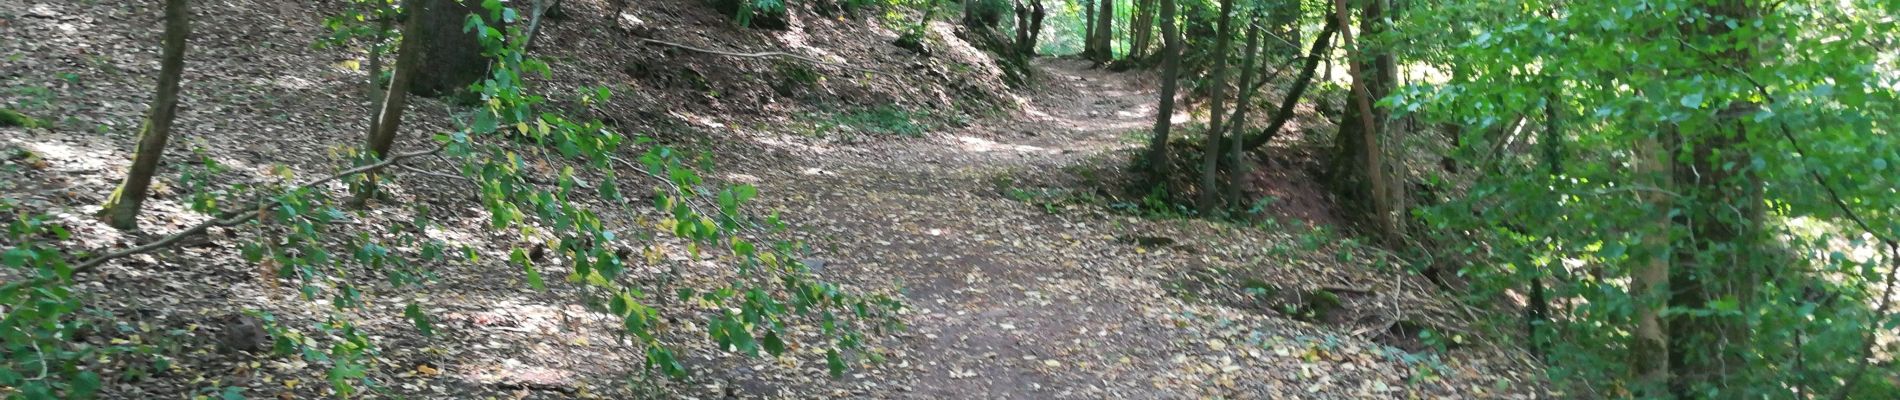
column 669, row 182
column 433, row 173
column 228, row 219
column 759, row 55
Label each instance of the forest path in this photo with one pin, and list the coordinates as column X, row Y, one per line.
column 1009, row 301
column 1014, row 301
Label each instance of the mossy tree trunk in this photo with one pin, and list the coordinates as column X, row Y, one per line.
column 121, row 211
column 1141, row 29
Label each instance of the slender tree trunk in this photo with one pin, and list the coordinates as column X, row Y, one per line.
column 1285, row 113
column 1105, row 31
column 1210, row 150
column 1036, row 14
column 1236, row 157
column 375, row 82
column 1088, row 29
column 396, row 98
column 1537, row 309
column 1371, row 164
column 1158, row 165
column 1649, row 282
column 1141, row 29
column 121, row 211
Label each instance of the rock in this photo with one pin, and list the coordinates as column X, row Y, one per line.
column 634, row 25
column 242, row 333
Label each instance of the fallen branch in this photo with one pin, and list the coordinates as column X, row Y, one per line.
column 759, row 55
column 228, row 219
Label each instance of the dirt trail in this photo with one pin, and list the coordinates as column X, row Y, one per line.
column 1007, row 307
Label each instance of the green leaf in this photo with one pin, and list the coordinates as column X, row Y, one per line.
column 1693, row 100
column 773, row 344
column 85, row 385
column 835, row 362
column 415, row 315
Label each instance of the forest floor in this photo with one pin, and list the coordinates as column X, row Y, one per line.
column 1017, row 300
column 1058, row 296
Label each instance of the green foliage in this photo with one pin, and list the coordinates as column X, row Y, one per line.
column 768, row 14
column 768, row 290
column 42, row 318
column 302, row 234
column 884, row 120
column 10, row 118
column 1805, row 121
column 986, row 13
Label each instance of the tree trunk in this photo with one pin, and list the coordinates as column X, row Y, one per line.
column 451, row 58
column 1158, row 165
column 1236, row 158
column 1210, row 150
column 121, row 211
column 1141, row 29
column 375, row 81
column 1725, row 211
column 396, row 98
column 1285, row 113
column 1360, row 166
column 1028, row 27
column 1649, row 282
column 1104, row 32
column 1088, row 29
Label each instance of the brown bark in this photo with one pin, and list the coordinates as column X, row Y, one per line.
column 1141, row 29
column 375, row 81
column 1158, row 165
column 1649, row 282
column 1236, row 159
column 1104, row 32
column 1285, row 113
column 396, row 98
column 121, row 211
column 1088, row 29
column 1210, row 150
